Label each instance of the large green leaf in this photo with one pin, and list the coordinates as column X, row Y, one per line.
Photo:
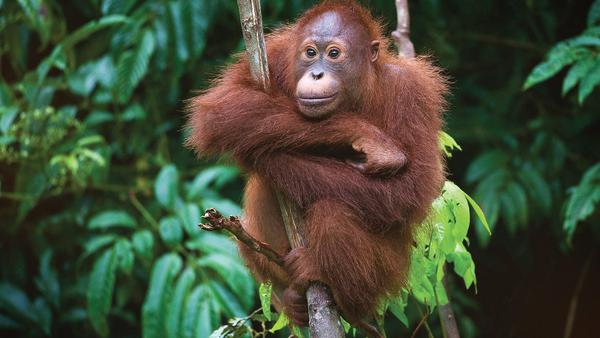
column 589, row 81
column 154, row 309
column 124, row 255
column 170, row 231
column 112, row 218
column 233, row 273
column 580, row 69
column 166, row 186
column 594, row 13
column 143, row 243
column 100, row 290
column 216, row 175
column 583, row 199
column 557, row 58
column 133, row 66
column 176, row 304
column 227, row 301
column 198, row 320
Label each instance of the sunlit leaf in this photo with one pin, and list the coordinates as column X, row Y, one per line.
column 281, row 322
column 264, row 291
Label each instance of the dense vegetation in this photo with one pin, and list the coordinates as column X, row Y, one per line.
column 99, row 200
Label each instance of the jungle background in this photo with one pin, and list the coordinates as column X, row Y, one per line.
column 99, row 200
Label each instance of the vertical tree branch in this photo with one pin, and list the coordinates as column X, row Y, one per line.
column 254, row 39
column 406, row 49
column 323, row 317
column 401, row 35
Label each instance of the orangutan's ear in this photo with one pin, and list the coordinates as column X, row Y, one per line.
column 374, row 50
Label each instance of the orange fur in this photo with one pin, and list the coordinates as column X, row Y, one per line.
column 359, row 227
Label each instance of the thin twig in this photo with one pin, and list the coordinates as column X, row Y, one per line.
column 423, row 320
column 575, row 299
column 216, row 221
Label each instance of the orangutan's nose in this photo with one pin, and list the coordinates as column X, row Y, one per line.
column 317, row 75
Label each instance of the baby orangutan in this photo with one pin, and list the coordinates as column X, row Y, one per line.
column 349, row 133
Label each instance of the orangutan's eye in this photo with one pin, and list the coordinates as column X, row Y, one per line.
column 334, row 53
column 311, row 52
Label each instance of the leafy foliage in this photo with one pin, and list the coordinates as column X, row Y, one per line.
column 583, row 199
column 581, row 52
column 99, row 201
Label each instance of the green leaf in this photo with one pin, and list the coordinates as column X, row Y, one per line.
column 589, row 81
column 281, row 322
column 225, row 206
column 159, row 292
column 170, row 231
column 176, row 303
column 485, row 164
column 166, row 186
column 14, row 302
column 556, row 59
column 479, row 213
column 92, row 27
column 297, row 332
column 578, row 71
column 233, row 273
column 143, row 243
column 124, row 255
column 509, row 212
column 460, row 209
column 189, row 214
column 112, row 218
column 537, row 188
column 197, row 318
column 216, row 175
column 593, row 14
column 265, row 291
column 47, row 281
column 398, row 307
column 116, row 6
column 133, row 66
column 213, row 243
column 7, row 116
column 419, row 279
column 134, row 112
column 519, row 199
column 447, row 143
column 100, row 291
column 96, row 243
column 463, row 265
column 226, row 300
column 583, row 199
column 176, row 15
column 440, row 292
